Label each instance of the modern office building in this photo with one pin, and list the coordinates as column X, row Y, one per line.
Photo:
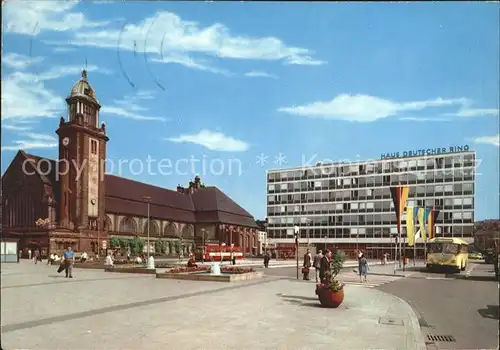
column 349, row 205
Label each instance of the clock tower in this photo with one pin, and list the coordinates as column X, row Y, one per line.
column 82, row 154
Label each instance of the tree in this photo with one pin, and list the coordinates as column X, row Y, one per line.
column 114, row 242
column 487, row 226
column 136, row 245
column 124, row 243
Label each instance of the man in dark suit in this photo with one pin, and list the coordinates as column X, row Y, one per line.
column 324, row 268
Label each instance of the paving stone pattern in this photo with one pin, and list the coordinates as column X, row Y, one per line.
column 98, row 310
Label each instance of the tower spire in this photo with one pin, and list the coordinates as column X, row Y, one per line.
column 84, row 71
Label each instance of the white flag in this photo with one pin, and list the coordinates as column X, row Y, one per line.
column 417, row 235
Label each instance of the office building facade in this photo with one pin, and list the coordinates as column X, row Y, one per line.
column 349, row 205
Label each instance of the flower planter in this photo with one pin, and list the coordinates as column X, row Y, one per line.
column 328, row 298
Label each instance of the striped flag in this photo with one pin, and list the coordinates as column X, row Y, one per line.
column 421, row 222
column 410, row 226
column 399, row 196
column 431, row 220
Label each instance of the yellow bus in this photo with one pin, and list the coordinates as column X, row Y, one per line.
column 447, row 253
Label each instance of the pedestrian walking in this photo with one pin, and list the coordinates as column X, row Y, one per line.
column 267, row 258
column 69, row 259
column 362, row 268
column 317, row 264
column 29, row 254
column 324, row 268
column 37, row 256
column 306, row 267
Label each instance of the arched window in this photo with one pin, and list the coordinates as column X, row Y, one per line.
column 108, row 224
column 154, row 231
column 188, row 231
column 170, row 230
column 128, row 225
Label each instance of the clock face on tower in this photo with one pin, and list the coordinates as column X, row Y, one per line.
column 65, row 141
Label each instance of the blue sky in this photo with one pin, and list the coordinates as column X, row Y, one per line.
column 227, row 82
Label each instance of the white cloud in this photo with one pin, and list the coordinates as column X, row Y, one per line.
column 168, row 33
column 260, row 74
column 15, row 127
column 129, row 107
column 17, row 61
column 32, row 17
column 189, row 62
column 489, row 140
column 23, row 98
column 364, row 108
column 63, row 49
column 423, row 119
column 57, row 72
column 24, row 95
column 215, row 141
column 32, row 140
column 467, row 112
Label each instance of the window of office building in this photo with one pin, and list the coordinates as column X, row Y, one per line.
column 370, row 205
column 457, row 201
column 448, row 189
column 467, row 201
column 467, row 215
column 468, row 187
column 270, row 187
column 284, row 187
column 467, row 230
column 282, row 209
column 457, row 215
column 429, row 189
column 457, row 188
column 439, row 189
column 420, row 189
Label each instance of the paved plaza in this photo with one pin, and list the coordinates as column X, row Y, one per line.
column 99, row 310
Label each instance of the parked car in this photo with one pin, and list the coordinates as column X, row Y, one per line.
column 475, row 256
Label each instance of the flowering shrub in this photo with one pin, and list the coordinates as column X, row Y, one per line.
column 164, row 265
column 122, row 262
column 237, row 270
column 185, row 269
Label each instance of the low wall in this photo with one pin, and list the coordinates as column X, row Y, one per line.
column 142, row 270
column 195, row 276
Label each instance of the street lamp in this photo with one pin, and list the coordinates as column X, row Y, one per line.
column 296, row 231
column 150, row 258
column 203, row 245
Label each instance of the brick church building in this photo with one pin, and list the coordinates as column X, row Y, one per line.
column 48, row 205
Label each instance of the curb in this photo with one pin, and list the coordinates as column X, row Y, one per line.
column 418, row 335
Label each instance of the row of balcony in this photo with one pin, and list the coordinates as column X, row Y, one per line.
column 318, row 173
column 375, row 184
column 363, row 223
column 353, row 198
column 363, row 210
